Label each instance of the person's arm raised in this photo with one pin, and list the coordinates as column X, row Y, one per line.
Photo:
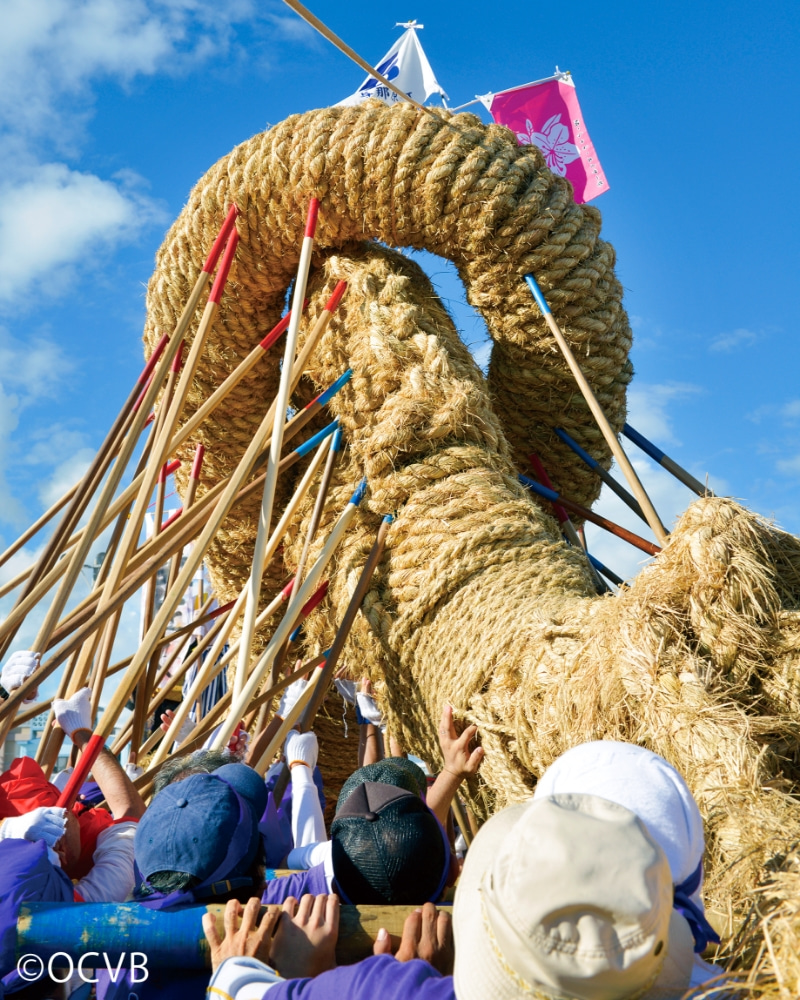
column 459, row 762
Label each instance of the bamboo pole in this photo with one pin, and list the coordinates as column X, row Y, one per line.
column 617, row 450
column 601, row 473
column 666, row 462
column 83, row 493
column 305, row 719
column 38, row 524
column 276, row 444
column 272, row 545
column 259, row 672
column 589, row 515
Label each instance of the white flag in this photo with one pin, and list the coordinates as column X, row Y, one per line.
column 407, row 66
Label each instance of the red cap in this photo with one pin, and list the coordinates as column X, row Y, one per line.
column 287, row 590
column 167, row 469
column 336, row 298
column 197, row 464
column 158, row 350
column 171, row 519
column 221, row 240
column 311, row 218
column 177, row 361
column 224, row 268
column 315, row 599
column 276, row 331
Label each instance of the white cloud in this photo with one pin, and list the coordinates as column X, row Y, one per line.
column 648, row 405
column 791, row 411
column 789, row 465
column 51, row 50
column 65, row 475
column 56, row 216
column 736, row 338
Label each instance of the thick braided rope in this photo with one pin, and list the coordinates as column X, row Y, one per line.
column 468, row 193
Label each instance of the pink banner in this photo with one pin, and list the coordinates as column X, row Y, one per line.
column 548, row 115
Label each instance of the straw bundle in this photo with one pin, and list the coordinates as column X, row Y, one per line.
column 477, row 601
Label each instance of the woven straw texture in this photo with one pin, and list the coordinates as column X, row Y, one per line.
column 477, row 601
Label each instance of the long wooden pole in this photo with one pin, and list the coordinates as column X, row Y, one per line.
column 305, row 719
column 666, row 462
column 617, row 450
column 276, row 444
column 280, row 529
column 589, row 515
column 38, row 524
column 257, row 675
column 81, row 497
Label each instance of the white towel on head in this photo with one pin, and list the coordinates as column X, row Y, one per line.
column 642, row 782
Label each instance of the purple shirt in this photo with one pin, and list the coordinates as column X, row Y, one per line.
column 381, row 976
column 312, row 881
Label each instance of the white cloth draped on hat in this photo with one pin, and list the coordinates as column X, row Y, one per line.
column 651, row 788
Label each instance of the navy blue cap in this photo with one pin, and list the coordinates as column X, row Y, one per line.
column 205, row 825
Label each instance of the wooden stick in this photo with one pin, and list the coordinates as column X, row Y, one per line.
column 276, row 444
column 272, row 544
column 360, row 592
column 328, row 671
column 78, row 556
column 461, row 819
column 259, row 672
column 602, row 422
column 230, row 383
column 589, row 515
column 666, row 462
column 567, row 527
column 79, row 501
column 39, row 523
column 191, row 493
column 601, row 473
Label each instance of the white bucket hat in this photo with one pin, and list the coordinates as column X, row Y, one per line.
column 568, row 897
column 646, row 784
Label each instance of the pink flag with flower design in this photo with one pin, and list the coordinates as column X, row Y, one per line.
column 548, row 115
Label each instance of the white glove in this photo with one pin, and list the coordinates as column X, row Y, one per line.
column 290, row 697
column 61, row 779
column 17, row 669
column 75, row 712
column 133, row 771
column 347, row 689
column 369, row 709
column 45, row 823
column 301, row 748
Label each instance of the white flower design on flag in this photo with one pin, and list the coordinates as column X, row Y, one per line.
column 552, row 141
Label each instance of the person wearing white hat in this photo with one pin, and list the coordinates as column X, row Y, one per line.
column 564, row 898
column 646, row 784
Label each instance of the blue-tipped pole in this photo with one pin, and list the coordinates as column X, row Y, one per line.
column 608, row 573
column 307, row 446
column 589, row 515
column 602, row 473
column 666, row 462
column 616, row 448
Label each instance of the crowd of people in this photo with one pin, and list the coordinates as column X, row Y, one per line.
column 591, row 889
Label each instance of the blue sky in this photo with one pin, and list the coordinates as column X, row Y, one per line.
column 110, row 110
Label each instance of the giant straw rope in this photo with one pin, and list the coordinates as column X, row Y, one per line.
column 477, row 601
